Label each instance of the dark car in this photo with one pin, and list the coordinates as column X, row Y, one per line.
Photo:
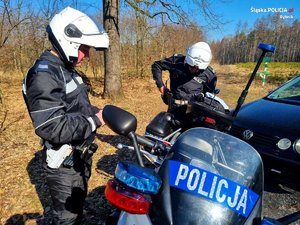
column 272, row 126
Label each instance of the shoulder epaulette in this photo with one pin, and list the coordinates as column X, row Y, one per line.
column 177, row 58
column 42, row 66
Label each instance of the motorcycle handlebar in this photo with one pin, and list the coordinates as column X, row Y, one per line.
column 157, row 148
column 144, row 141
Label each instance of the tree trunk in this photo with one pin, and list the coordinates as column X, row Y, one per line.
column 140, row 32
column 112, row 77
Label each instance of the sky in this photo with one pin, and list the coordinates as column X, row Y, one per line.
column 248, row 11
column 232, row 11
column 251, row 10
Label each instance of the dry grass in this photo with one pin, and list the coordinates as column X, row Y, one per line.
column 22, row 184
column 22, row 188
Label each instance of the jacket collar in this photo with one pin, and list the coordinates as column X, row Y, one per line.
column 47, row 55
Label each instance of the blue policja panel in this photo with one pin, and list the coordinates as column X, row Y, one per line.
column 212, row 186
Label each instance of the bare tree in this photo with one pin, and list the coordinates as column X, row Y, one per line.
column 167, row 9
column 11, row 18
column 272, row 30
column 112, row 79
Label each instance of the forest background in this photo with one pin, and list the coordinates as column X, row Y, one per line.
column 144, row 34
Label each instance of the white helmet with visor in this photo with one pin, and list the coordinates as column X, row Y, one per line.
column 71, row 28
column 199, row 54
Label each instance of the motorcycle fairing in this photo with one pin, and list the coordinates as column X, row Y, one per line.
column 220, row 154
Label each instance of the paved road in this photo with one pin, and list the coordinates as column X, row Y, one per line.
column 281, row 196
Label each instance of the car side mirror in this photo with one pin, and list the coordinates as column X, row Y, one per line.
column 119, row 120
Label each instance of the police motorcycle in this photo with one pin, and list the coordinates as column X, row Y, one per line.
column 206, row 177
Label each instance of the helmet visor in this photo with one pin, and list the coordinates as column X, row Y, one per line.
column 88, row 33
column 97, row 41
column 198, row 62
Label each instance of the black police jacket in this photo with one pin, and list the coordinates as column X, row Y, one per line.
column 183, row 84
column 58, row 103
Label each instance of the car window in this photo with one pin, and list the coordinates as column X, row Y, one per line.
column 290, row 91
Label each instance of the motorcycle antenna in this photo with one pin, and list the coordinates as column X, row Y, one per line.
column 265, row 48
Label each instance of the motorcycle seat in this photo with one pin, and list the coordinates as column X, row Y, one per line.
column 160, row 125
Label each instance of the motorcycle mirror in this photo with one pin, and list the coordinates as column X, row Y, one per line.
column 119, row 120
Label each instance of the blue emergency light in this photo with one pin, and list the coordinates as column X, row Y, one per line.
column 137, row 177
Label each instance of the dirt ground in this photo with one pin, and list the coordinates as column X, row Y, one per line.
column 23, row 192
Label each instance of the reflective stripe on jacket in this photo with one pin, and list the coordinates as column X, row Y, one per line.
column 58, row 103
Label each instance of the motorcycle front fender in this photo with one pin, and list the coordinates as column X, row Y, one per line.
column 133, row 219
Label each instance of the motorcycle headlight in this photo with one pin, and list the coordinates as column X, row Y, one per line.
column 297, row 146
column 284, row 144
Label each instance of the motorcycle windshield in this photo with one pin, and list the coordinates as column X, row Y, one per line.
column 209, row 177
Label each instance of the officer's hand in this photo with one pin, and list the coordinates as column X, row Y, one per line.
column 166, row 95
column 161, row 90
column 198, row 97
column 99, row 115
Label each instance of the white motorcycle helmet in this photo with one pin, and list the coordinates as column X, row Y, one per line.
column 71, row 28
column 199, row 55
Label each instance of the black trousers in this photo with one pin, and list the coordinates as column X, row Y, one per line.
column 68, row 189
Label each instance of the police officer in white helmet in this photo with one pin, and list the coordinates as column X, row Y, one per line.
column 62, row 115
column 190, row 77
